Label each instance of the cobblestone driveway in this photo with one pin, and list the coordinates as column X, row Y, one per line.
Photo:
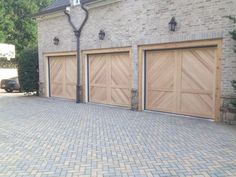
column 47, row 138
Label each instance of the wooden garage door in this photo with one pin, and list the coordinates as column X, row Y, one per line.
column 181, row 81
column 110, row 79
column 63, row 77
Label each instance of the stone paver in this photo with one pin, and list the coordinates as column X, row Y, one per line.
column 42, row 137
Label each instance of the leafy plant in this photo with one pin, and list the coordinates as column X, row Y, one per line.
column 233, row 35
column 17, row 26
column 28, row 70
column 233, row 102
column 4, row 63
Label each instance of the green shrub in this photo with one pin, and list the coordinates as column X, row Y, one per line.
column 233, row 102
column 233, row 35
column 28, row 70
column 4, row 63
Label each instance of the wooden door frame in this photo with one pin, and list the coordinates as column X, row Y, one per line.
column 84, row 57
column 181, row 45
column 46, row 57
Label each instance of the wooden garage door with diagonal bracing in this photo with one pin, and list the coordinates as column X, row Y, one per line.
column 63, row 77
column 110, row 79
column 160, row 78
column 181, row 81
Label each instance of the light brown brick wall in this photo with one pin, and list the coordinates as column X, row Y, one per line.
column 138, row 22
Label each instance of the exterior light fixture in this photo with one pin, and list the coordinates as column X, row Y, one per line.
column 56, row 41
column 102, row 35
column 172, row 24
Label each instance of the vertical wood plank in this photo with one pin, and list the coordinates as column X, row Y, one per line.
column 177, row 79
column 218, row 81
column 140, row 79
column 108, row 67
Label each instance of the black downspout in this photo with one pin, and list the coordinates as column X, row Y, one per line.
column 78, row 34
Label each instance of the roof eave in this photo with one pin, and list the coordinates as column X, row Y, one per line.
column 44, row 12
column 86, row 1
column 49, row 11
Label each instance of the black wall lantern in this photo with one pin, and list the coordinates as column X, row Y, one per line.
column 102, row 35
column 56, row 41
column 172, row 24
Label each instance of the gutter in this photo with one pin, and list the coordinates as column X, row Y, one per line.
column 78, row 34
